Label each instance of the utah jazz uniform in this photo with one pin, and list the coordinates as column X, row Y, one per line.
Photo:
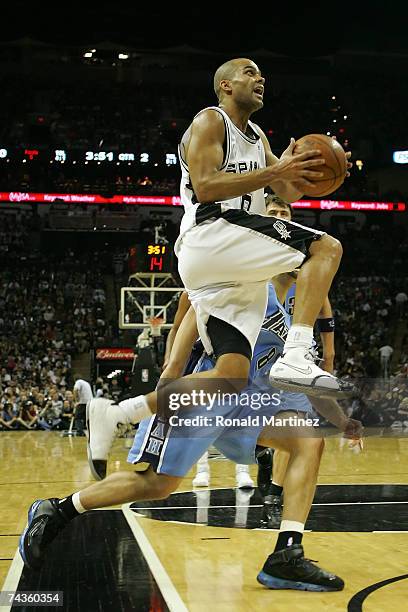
column 173, row 450
column 228, row 250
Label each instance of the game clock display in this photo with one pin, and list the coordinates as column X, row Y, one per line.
column 151, row 257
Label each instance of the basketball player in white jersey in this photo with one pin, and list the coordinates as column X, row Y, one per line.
column 224, row 251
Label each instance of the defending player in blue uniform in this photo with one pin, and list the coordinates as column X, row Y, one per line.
column 271, row 484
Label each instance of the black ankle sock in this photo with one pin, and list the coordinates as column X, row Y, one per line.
column 287, row 538
column 274, row 489
column 68, row 509
column 263, row 456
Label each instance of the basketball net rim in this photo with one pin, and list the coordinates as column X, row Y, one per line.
column 155, row 325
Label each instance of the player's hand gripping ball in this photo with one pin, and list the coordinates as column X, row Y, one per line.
column 335, row 168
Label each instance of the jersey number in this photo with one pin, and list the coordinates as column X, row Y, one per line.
column 264, row 360
column 290, row 306
column 246, row 202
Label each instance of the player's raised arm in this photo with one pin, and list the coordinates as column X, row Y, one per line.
column 204, row 156
column 186, row 335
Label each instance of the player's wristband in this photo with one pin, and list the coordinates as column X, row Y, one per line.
column 325, row 325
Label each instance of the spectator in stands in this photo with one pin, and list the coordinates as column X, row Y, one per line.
column 27, row 416
column 115, row 390
column 50, row 416
column 99, row 387
column 385, row 355
column 7, row 418
column 401, row 301
column 67, row 413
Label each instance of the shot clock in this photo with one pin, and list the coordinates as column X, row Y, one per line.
column 158, row 258
column 149, row 257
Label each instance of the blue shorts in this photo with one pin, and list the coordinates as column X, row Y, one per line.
column 173, row 446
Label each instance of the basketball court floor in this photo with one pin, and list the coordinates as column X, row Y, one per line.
column 202, row 550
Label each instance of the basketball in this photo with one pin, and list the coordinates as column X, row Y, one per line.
column 334, row 169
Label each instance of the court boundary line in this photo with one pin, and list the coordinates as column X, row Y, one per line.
column 370, row 503
column 13, row 577
column 163, row 580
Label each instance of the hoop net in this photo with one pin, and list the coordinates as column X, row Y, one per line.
column 155, row 325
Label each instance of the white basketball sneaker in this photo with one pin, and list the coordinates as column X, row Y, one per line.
column 243, row 478
column 104, row 421
column 202, row 478
column 296, row 371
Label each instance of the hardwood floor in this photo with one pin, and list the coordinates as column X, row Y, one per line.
column 216, row 566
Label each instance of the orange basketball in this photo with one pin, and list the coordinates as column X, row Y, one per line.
column 334, row 169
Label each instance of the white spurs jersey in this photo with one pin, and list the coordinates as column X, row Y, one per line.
column 242, row 153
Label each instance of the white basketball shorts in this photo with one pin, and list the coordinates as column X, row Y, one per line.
column 227, row 258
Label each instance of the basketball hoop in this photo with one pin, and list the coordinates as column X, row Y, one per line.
column 155, row 326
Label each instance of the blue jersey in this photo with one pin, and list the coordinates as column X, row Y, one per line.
column 271, row 338
column 269, row 344
column 177, row 449
column 268, row 347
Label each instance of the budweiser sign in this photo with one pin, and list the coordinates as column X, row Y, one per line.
column 114, row 353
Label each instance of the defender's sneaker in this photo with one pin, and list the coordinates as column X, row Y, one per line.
column 288, row 569
column 264, row 476
column 243, row 478
column 296, row 371
column 104, row 419
column 45, row 521
column 271, row 514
